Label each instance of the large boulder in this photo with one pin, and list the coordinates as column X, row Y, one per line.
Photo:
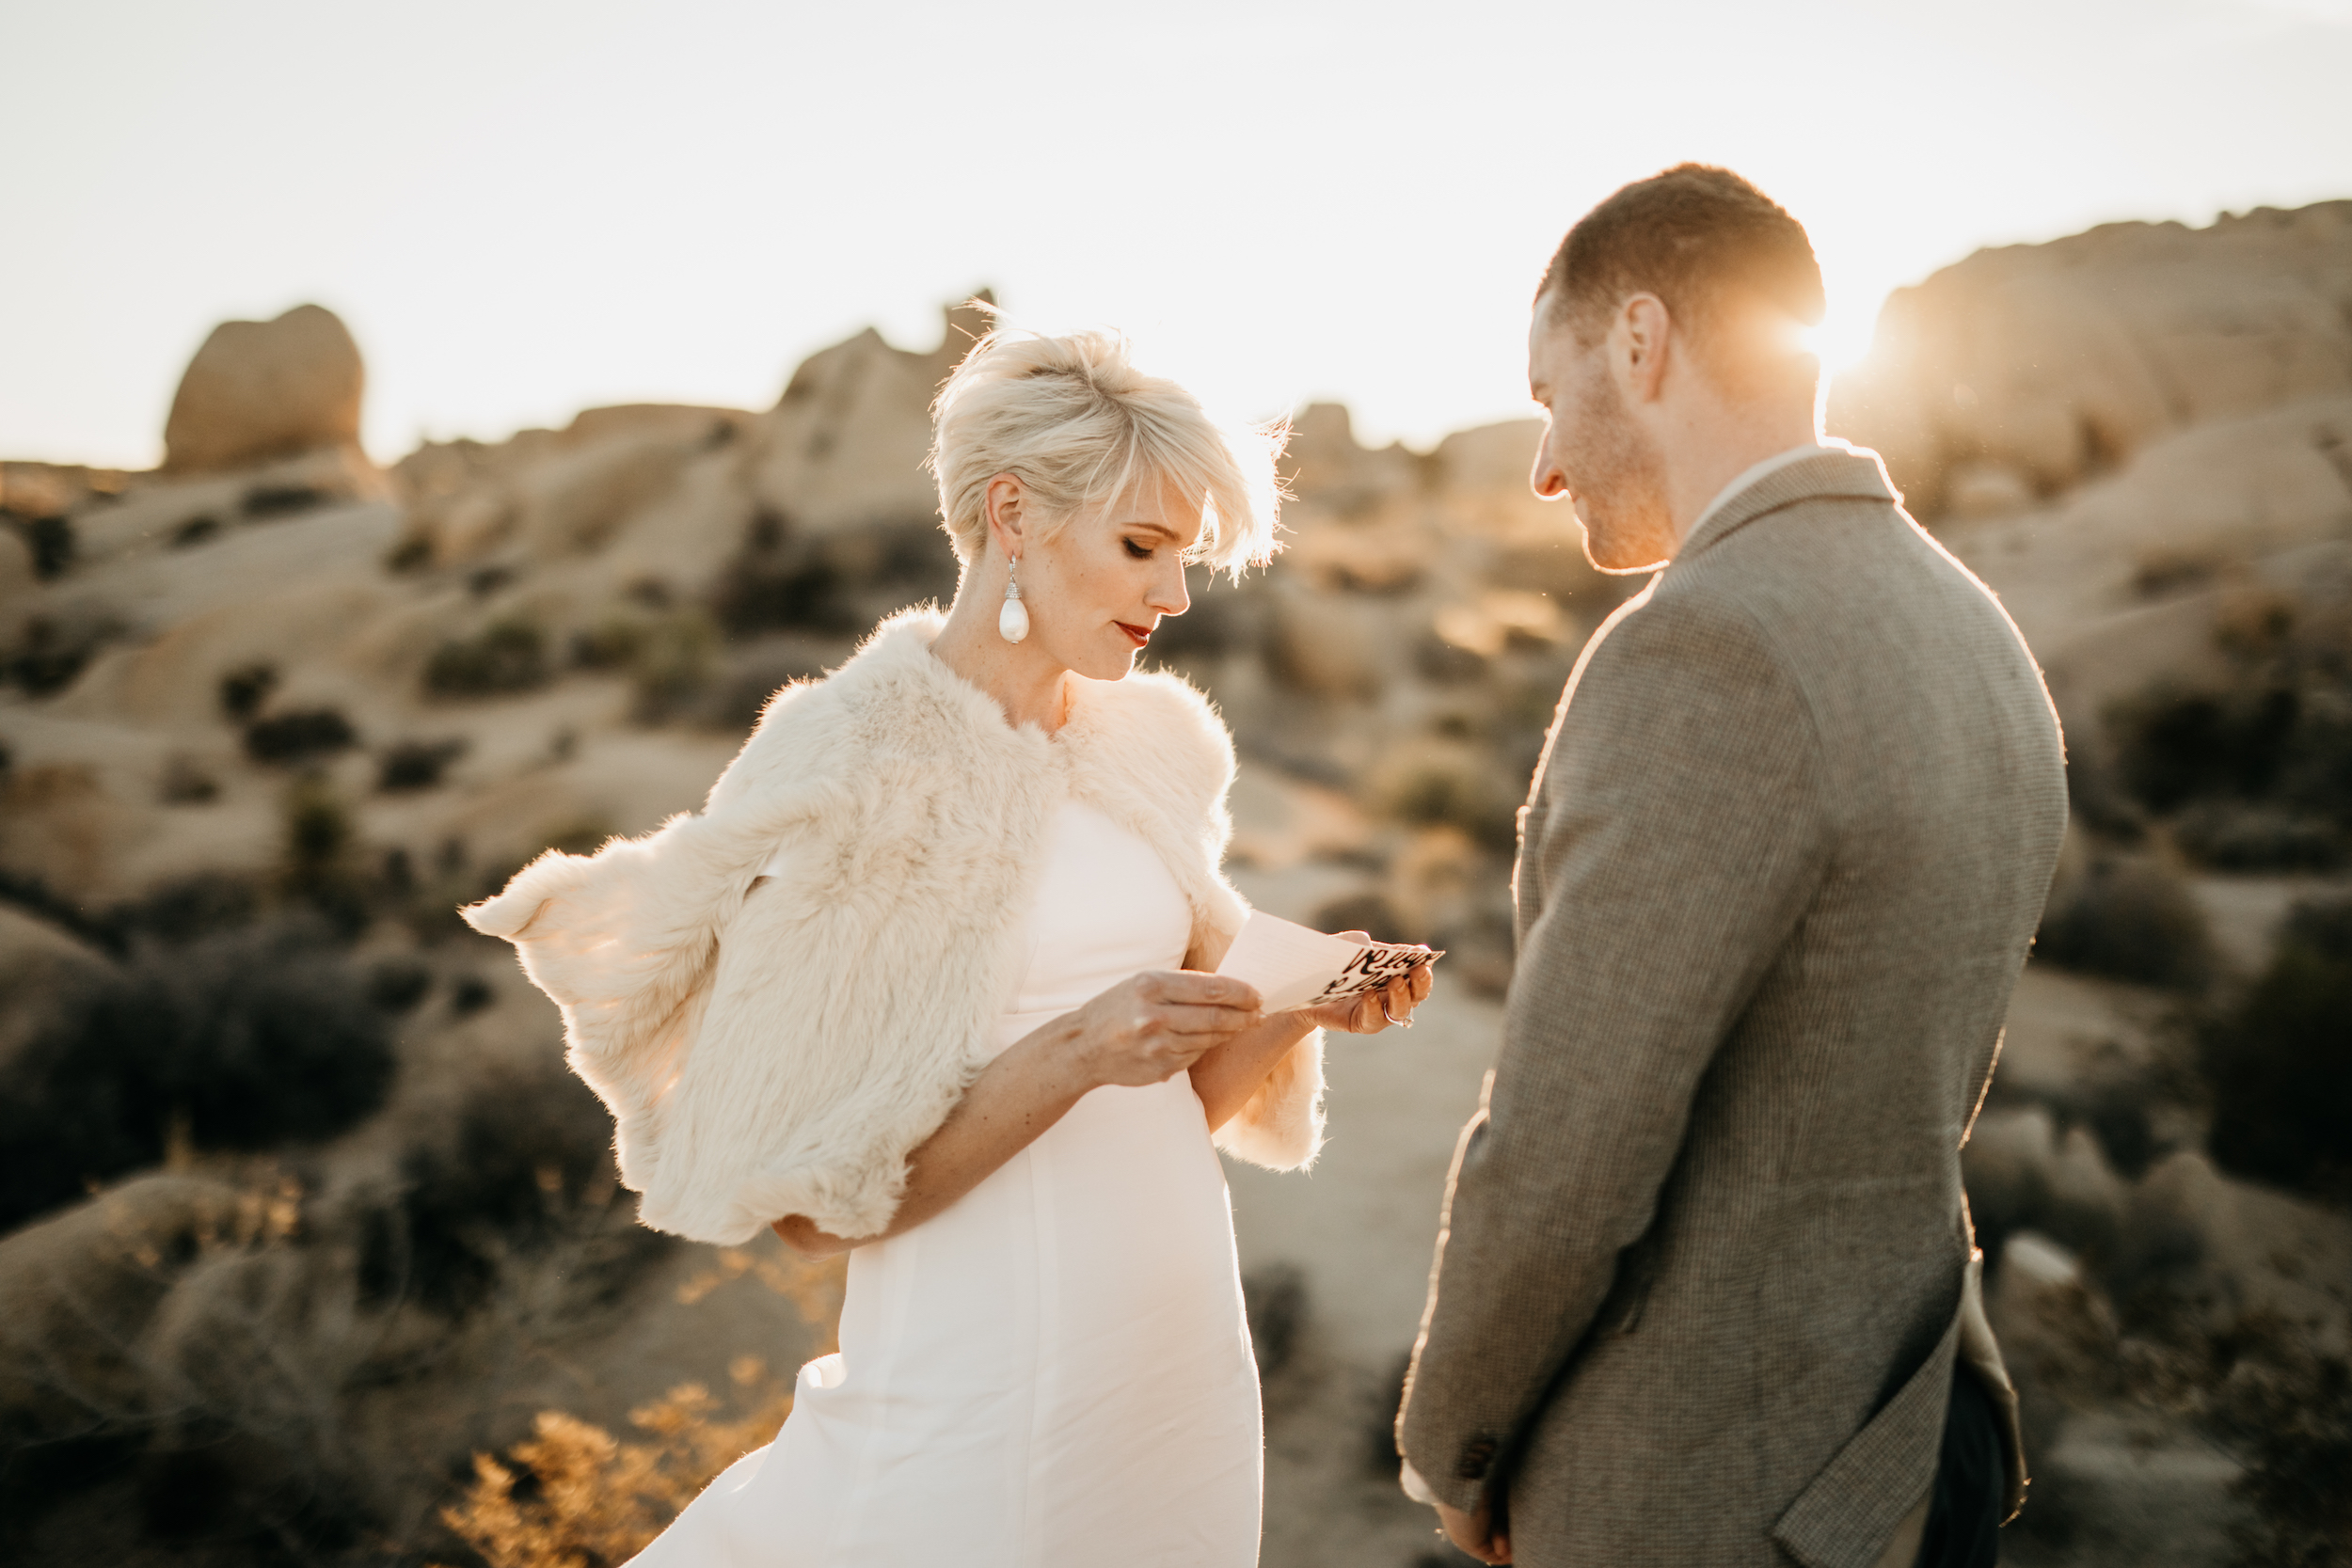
column 261, row 390
column 2020, row 372
column 842, row 449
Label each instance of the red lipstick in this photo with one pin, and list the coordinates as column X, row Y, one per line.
column 1141, row 634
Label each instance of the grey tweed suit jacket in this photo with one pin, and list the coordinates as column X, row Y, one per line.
column 1698, row 1281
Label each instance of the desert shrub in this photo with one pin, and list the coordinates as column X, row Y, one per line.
column 610, row 644
column 2230, row 837
column 756, row 671
column 499, row 1180
column 396, row 985
column 1275, row 1299
column 303, row 735
column 1453, row 786
column 321, row 868
column 779, row 581
column 412, row 554
column 2161, row 572
column 506, row 656
column 36, row 897
column 187, row 782
column 244, row 690
column 2129, row 920
column 2099, row 801
column 2274, row 731
column 195, row 531
column 1223, row 619
column 2279, row 1063
column 2175, row 745
column 416, row 763
column 1381, row 1455
column 673, row 667
column 2290, row 1412
column 1448, row 664
column 280, row 500
column 2271, row 1394
column 186, row 908
column 53, row 544
column 53, row 651
column 1360, row 911
column 573, row 1494
column 241, row 1040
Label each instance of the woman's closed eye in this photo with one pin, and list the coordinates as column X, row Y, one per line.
column 1140, row 551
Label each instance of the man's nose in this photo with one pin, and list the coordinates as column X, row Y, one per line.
column 1547, row 480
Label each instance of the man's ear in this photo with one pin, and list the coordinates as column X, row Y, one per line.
column 1639, row 340
column 1006, row 500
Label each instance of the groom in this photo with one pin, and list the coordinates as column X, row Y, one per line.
column 1705, row 1271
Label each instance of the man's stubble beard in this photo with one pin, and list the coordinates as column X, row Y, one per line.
column 1619, row 480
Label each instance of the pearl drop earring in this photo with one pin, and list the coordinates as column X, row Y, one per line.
column 1012, row 621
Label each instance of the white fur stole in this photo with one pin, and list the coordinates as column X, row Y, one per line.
column 782, row 1052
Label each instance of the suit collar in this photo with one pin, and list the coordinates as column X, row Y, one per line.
column 1840, row 472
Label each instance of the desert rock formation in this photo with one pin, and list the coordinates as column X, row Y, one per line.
column 258, row 391
column 2020, row 372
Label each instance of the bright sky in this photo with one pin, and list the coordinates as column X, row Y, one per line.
column 524, row 209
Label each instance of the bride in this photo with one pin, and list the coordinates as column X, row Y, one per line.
column 927, row 980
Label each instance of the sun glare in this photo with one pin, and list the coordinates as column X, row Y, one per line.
column 1844, row 335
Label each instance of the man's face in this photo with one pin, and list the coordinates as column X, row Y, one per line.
column 1592, row 450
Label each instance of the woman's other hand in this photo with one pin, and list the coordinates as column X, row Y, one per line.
column 801, row 1235
column 1149, row 1027
column 1374, row 1010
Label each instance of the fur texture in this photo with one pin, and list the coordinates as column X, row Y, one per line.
column 781, row 1050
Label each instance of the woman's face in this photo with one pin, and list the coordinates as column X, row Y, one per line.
column 1099, row 586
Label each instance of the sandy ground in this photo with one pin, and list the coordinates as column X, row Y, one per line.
column 1360, row 1226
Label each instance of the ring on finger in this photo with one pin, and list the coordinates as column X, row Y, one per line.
column 1404, row 1023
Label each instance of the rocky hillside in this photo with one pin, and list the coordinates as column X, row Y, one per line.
column 270, row 713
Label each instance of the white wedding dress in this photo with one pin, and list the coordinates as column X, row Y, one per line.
column 1055, row 1369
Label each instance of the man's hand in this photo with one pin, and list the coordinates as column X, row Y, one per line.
column 1475, row 1533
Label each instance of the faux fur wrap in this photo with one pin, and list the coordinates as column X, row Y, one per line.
column 781, row 1050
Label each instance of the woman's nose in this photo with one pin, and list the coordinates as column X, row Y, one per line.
column 1168, row 595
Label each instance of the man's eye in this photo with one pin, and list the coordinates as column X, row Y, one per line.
column 1137, row 550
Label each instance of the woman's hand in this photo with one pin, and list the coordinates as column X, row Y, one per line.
column 1149, row 1027
column 1364, row 1015
column 1143, row 1030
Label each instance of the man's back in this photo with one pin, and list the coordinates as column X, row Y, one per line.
column 1780, row 868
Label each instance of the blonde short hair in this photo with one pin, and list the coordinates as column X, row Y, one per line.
column 1082, row 428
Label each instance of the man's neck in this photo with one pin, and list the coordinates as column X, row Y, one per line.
column 1719, row 444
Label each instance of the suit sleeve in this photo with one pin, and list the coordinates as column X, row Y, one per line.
column 1678, row 841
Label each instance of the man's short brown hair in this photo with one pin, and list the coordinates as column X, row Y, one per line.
column 1702, row 238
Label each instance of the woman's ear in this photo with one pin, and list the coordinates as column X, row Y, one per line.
column 1006, row 500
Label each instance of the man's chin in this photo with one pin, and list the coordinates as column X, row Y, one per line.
column 1636, row 550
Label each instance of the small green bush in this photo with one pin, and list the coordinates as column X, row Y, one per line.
column 506, row 655
column 301, row 735
column 416, row 763
column 673, row 666
column 2233, row 837
column 55, row 651
column 244, row 690
column 246, row 1039
column 1453, row 786
column 519, row 1151
column 2279, row 1063
column 2129, row 920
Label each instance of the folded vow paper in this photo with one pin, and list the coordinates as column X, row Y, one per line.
column 1295, row 967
